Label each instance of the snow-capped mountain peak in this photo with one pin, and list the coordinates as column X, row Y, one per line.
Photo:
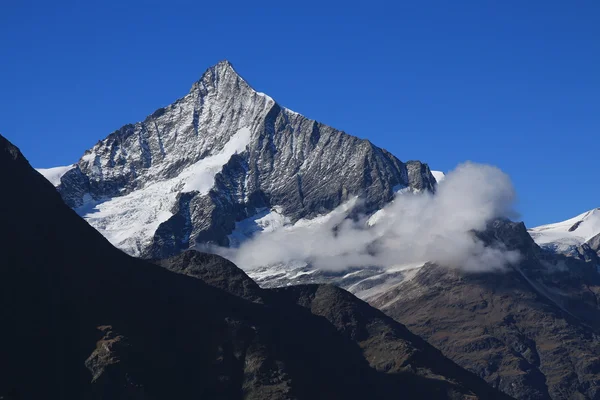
column 217, row 156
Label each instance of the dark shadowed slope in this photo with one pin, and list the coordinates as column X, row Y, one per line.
column 82, row 320
column 387, row 345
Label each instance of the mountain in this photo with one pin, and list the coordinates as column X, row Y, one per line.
column 569, row 236
column 226, row 162
column 532, row 331
column 221, row 154
column 83, row 320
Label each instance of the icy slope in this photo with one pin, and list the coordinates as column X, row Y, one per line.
column 565, row 236
column 438, row 175
column 54, row 174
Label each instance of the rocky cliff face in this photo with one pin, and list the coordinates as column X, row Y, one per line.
column 191, row 169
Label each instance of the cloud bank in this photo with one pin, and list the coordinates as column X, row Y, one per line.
column 414, row 228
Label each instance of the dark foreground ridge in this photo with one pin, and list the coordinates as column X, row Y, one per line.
column 83, row 320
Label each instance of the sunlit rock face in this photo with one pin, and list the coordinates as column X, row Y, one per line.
column 219, row 155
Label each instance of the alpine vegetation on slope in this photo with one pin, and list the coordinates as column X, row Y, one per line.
column 82, row 320
column 221, row 154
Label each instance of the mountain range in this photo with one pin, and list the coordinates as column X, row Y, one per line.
column 225, row 164
column 83, row 320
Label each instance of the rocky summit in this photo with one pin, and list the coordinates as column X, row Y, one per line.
column 221, row 154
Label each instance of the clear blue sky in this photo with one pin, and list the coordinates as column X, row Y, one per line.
column 510, row 83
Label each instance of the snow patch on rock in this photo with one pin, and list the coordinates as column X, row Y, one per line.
column 264, row 220
column 129, row 222
column 201, row 175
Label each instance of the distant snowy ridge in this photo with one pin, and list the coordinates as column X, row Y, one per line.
column 54, row 174
column 565, row 236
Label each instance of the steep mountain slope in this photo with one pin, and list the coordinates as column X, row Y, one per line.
column 567, row 236
column 82, row 320
column 532, row 331
column 218, row 155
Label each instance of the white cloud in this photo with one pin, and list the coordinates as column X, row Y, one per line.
column 413, row 228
